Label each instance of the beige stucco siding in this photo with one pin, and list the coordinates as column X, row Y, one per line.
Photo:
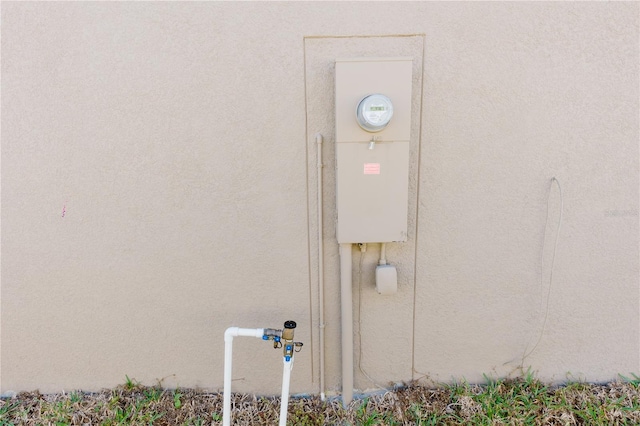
column 159, row 185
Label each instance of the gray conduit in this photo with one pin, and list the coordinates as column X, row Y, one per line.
column 320, row 265
column 346, row 302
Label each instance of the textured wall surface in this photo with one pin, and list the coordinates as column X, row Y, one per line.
column 159, row 175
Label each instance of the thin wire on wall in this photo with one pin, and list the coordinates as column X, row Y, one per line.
column 553, row 258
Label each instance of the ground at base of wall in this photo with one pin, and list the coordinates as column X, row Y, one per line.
column 520, row 401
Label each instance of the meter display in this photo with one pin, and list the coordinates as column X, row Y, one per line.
column 374, row 112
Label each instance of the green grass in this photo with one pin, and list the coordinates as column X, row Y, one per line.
column 523, row 401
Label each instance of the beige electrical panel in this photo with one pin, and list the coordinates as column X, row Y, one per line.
column 373, row 124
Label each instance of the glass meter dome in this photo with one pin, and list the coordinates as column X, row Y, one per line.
column 374, row 112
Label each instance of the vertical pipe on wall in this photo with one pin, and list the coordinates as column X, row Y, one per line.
column 286, row 378
column 320, row 265
column 347, row 322
column 229, row 334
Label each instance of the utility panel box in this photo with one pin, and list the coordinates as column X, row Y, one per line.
column 373, row 126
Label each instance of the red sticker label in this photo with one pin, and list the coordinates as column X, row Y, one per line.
column 371, row 168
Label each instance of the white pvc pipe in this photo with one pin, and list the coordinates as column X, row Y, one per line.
column 229, row 334
column 346, row 301
column 383, row 255
column 320, row 265
column 286, row 378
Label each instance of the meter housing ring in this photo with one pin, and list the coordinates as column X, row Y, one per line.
column 374, row 112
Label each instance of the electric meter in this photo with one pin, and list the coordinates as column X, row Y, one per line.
column 374, row 112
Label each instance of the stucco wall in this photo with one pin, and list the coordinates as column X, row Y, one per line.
column 159, row 185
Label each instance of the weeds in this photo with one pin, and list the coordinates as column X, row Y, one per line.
column 524, row 401
column 176, row 399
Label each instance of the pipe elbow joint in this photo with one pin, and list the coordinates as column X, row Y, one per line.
column 230, row 333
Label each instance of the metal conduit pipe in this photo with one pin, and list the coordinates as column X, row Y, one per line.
column 320, row 267
column 346, row 302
